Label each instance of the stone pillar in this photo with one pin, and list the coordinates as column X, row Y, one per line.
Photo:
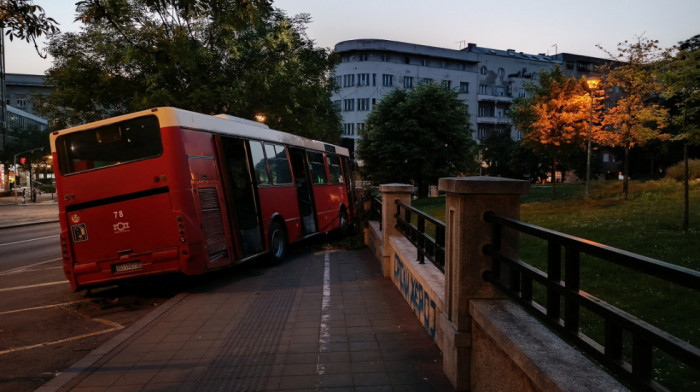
column 391, row 193
column 468, row 198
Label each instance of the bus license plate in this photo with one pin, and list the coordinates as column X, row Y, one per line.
column 123, row 267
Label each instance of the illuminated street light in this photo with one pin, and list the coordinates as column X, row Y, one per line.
column 591, row 86
column 261, row 118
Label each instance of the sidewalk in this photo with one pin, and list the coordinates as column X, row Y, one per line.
column 13, row 212
column 326, row 321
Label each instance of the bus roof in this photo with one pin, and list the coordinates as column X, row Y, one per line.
column 220, row 124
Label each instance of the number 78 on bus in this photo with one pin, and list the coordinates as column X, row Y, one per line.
column 172, row 191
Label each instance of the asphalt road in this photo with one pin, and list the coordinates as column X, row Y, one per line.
column 44, row 326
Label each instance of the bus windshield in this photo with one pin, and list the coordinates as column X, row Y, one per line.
column 110, row 145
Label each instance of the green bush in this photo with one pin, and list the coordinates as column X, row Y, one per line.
column 676, row 171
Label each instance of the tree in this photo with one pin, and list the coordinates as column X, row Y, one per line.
column 496, row 151
column 25, row 21
column 417, row 137
column 637, row 116
column 238, row 57
column 554, row 117
column 681, row 77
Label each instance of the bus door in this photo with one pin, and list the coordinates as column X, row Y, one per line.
column 305, row 197
column 241, row 197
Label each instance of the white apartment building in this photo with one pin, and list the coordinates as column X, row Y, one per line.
column 487, row 80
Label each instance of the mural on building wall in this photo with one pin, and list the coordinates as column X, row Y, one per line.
column 417, row 298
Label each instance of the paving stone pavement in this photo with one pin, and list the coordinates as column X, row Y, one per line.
column 16, row 211
column 324, row 321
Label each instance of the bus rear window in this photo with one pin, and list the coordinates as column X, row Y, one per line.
column 114, row 144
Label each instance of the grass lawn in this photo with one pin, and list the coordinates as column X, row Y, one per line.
column 649, row 223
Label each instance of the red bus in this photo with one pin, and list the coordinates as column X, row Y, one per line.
column 167, row 190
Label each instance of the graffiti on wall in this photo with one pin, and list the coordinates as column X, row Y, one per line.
column 419, row 299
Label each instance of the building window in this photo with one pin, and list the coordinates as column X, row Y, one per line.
column 408, row 82
column 349, row 105
column 385, row 58
column 338, row 80
column 348, row 80
column 482, row 89
column 447, row 84
column 360, row 128
column 483, row 70
column 407, row 60
column 363, row 104
column 349, row 129
column 426, row 80
column 482, row 133
column 362, row 57
column 363, row 79
column 338, row 104
column 522, row 92
column 464, row 87
column 21, row 102
column 374, row 79
column 501, row 72
column 387, row 80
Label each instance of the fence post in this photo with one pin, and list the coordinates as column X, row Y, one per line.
column 391, row 193
column 467, row 199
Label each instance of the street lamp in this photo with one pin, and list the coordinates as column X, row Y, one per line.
column 591, row 85
column 261, row 118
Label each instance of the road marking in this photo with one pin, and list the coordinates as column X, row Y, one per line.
column 31, row 286
column 30, row 240
column 114, row 327
column 324, row 337
column 44, row 307
column 19, row 269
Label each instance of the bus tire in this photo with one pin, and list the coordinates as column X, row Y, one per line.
column 278, row 241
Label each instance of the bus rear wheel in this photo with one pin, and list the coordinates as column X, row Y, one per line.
column 343, row 224
column 278, row 242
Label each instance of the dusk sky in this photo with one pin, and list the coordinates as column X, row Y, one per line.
column 538, row 26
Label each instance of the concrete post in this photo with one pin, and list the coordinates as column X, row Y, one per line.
column 468, row 198
column 391, row 193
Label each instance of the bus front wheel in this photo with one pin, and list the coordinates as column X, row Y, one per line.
column 278, row 241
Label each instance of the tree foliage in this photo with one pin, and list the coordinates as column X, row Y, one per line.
column 681, row 76
column 496, row 151
column 417, row 137
column 637, row 117
column 26, row 21
column 555, row 116
column 240, row 57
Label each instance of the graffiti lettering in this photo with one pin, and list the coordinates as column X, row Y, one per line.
column 419, row 299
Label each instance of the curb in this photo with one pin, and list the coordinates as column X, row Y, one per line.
column 84, row 365
column 29, row 224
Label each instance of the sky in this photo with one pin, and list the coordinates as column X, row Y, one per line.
column 535, row 26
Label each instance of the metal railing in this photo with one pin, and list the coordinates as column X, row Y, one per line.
column 516, row 278
column 431, row 247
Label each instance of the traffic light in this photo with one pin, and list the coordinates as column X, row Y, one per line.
column 22, row 160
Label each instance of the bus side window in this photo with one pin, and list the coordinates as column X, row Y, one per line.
column 318, row 168
column 256, row 151
column 283, row 174
column 335, row 170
